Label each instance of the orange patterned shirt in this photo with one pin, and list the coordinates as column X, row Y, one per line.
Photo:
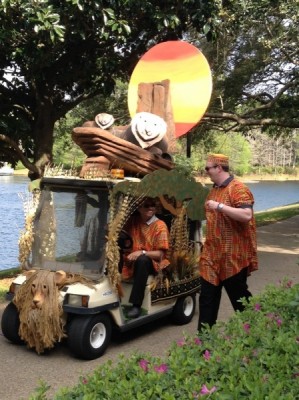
column 230, row 245
column 152, row 235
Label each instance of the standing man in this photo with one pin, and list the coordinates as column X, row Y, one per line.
column 230, row 252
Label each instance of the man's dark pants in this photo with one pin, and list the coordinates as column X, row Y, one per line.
column 143, row 267
column 209, row 300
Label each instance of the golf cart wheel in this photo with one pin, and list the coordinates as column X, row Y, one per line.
column 89, row 337
column 184, row 309
column 10, row 324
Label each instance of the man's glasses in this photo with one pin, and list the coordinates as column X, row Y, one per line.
column 208, row 168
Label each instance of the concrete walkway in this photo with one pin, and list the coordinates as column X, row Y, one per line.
column 22, row 369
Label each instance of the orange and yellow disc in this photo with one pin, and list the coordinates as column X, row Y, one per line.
column 190, row 81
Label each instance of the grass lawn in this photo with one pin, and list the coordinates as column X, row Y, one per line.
column 276, row 214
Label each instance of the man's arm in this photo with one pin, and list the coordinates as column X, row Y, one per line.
column 238, row 214
column 156, row 255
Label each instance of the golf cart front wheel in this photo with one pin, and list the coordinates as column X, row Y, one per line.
column 10, row 324
column 89, row 337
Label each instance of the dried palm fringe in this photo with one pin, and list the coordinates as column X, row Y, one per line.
column 121, row 208
column 46, row 238
column 160, row 281
column 30, row 204
column 183, row 258
column 59, row 170
column 183, row 266
column 93, row 171
column 42, row 328
column 179, row 235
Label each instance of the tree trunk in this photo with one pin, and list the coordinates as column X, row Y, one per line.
column 43, row 132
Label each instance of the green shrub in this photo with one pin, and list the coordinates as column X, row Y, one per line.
column 263, row 170
column 291, row 171
column 19, row 166
column 4, row 283
column 240, row 170
column 3, row 291
column 184, row 165
column 254, row 356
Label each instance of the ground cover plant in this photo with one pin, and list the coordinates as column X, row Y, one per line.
column 254, row 356
column 3, row 290
column 276, row 214
column 6, row 277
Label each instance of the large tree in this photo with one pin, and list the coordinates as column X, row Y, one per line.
column 255, row 63
column 55, row 54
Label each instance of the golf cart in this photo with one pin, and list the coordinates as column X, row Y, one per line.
column 71, row 285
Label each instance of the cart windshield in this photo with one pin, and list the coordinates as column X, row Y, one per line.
column 70, row 230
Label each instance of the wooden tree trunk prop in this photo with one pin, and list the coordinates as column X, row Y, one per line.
column 106, row 149
column 155, row 98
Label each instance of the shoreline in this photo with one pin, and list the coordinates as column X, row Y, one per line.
column 248, row 178
column 255, row 178
column 280, row 178
column 21, row 172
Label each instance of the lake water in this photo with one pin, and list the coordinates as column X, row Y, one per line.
column 267, row 195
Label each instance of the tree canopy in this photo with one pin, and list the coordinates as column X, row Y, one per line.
column 54, row 55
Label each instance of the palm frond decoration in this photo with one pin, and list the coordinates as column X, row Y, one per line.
column 182, row 255
column 30, row 204
column 122, row 206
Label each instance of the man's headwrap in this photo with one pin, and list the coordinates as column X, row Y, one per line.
column 218, row 159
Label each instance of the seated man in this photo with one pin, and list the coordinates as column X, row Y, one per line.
column 150, row 242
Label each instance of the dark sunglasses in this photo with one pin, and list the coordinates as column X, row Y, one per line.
column 208, row 168
column 148, row 205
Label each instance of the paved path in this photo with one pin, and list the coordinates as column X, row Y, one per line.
column 278, row 253
column 278, row 248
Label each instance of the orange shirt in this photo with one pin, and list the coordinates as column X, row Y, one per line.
column 230, row 245
column 152, row 235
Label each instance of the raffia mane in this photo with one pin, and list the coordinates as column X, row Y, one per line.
column 42, row 327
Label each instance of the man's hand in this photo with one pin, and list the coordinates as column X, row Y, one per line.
column 212, row 204
column 133, row 256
